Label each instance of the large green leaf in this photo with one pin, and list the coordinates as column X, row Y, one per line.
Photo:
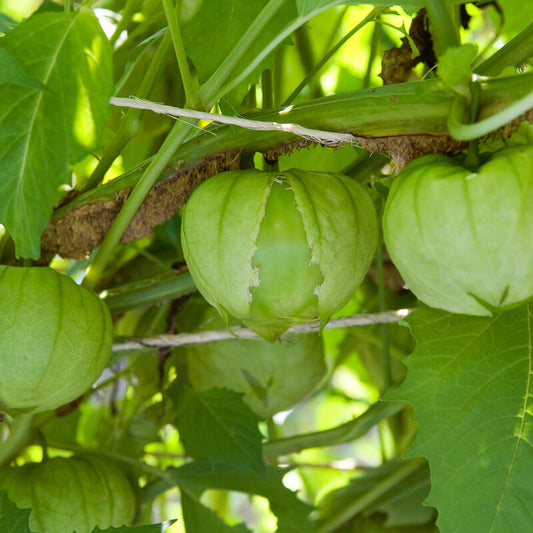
column 12, row 519
column 469, row 380
column 216, row 424
column 43, row 131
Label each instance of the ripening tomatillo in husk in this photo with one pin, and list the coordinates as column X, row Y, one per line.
column 55, row 339
column 273, row 376
column 275, row 249
column 463, row 239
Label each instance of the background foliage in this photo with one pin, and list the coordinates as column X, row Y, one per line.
column 341, row 459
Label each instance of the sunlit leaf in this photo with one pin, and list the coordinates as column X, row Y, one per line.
column 42, row 132
column 469, row 381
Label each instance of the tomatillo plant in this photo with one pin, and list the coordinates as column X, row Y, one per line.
column 54, row 346
column 71, row 494
column 276, row 249
column 462, row 239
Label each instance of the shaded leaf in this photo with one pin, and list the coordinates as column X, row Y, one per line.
column 291, row 512
column 199, row 519
column 217, row 425
column 42, row 132
column 469, row 380
column 12, row 519
column 396, row 490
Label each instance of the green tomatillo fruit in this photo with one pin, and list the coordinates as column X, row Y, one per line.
column 463, row 239
column 272, row 376
column 274, row 249
column 55, row 339
column 71, row 494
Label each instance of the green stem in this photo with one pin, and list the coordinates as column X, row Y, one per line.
column 125, row 19
column 376, row 36
column 18, row 439
column 467, row 132
column 156, row 472
column 267, row 89
column 444, row 29
column 318, row 67
column 338, row 435
column 516, row 52
column 380, row 488
column 209, row 92
column 386, row 357
column 191, row 91
column 172, row 142
column 129, row 126
column 305, row 53
column 472, row 156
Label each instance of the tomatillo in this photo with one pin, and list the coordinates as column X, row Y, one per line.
column 274, row 249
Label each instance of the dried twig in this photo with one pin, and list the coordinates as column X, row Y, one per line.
column 323, row 137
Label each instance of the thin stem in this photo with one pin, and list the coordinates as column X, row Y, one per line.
column 472, row 156
column 341, row 434
column 318, row 67
column 191, row 91
column 386, row 358
column 467, row 132
column 444, row 30
column 18, row 439
column 210, row 91
column 267, row 89
column 156, row 472
column 376, row 36
column 130, row 123
column 155, row 290
column 364, row 501
column 172, row 142
column 517, row 51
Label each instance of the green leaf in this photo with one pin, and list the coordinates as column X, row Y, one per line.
column 455, row 67
column 12, row 71
column 234, row 437
column 217, row 27
column 396, row 490
column 291, row 512
column 469, row 380
column 42, row 132
column 152, row 528
column 199, row 519
column 12, row 519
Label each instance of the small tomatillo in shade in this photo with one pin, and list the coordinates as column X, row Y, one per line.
column 275, row 249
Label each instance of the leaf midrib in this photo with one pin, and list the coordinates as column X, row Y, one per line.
column 521, row 430
column 40, row 96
